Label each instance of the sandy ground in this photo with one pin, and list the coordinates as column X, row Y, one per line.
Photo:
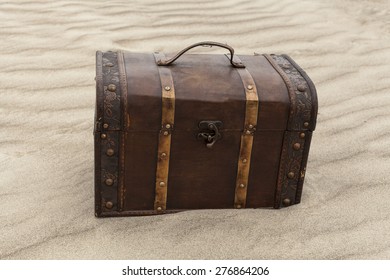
column 47, row 59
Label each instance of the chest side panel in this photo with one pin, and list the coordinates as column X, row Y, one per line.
column 141, row 134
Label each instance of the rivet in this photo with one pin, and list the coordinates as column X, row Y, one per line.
column 109, row 204
column 111, row 87
column 248, row 132
column 297, row 146
column 305, row 124
column 167, row 88
column 244, row 160
column 302, row 135
column 110, row 152
column 103, row 136
column 242, row 186
column 163, row 155
column 249, row 87
column 168, row 126
column 166, row 133
column 286, row 202
column 291, row 175
column 105, row 125
column 301, row 87
column 162, row 184
column 109, row 182
column 159, row 208
column 238, row 206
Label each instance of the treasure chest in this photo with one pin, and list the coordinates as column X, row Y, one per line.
column 200, row 131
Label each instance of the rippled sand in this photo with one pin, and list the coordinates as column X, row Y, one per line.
column 47, row 94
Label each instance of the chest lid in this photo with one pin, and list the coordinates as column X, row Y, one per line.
column 201, row 87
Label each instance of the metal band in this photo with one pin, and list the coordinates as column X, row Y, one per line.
column 295, row 146
column 125, row 124
column 164, row 138
column 109, row 133
column 244, row 160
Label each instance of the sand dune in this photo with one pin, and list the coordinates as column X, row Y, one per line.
column 46, row 117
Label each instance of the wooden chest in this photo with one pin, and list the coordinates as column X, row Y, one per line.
column 200, row 132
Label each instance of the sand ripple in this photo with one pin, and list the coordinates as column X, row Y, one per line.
column 47, row 106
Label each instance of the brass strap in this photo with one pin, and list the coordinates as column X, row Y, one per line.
column 244, row 160
column 164, row 138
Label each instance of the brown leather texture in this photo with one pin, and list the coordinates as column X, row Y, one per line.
column 129, row 125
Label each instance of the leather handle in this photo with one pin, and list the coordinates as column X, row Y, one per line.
column 236, row 64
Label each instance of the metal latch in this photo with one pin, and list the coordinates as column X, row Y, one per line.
column 209, row 132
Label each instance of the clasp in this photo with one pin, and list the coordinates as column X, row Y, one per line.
column 209, row 132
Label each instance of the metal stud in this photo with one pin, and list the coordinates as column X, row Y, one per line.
column 111, row 87
column 105, row 125
column 167, row 88
column 238, row 206
column 286, row 202
column 168, row 126
column 162, row 184
column 242, row 186
column 250, row 87
column 248, row 132
column 297, row 146
column 109, row 205
column 103, row 136
column 163, row 155
column 159, row 208
column 301, row 87
column 250, row 126
column 302, row 135
column 109, row 182
column 166, row 133
column 305, row 124
column 110, row 152
column 244, row 160
column 291, row 175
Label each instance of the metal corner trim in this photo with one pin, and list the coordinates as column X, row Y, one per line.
column 281, row 172
column 292, row 162
column 98, row 116
column 313, row 91
column 99, row 89
column 125, row 124
column 302, row 171
column 107, row 138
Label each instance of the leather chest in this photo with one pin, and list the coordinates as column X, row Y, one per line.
column 200, row 131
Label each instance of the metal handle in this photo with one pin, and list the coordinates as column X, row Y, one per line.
column 203, row 44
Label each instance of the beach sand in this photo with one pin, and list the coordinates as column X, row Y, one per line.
column 47, row 99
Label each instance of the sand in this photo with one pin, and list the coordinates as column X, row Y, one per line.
column 47, row 95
